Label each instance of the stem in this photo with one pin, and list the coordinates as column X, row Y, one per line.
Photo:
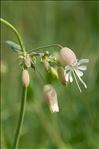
column 15, row 31
column 21, row 118
column 58, row 45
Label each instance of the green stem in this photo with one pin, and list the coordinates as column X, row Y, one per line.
column 21, row 118
column 15, row 31
column 53, row 45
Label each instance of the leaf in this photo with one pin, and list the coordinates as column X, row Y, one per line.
column 13, row 45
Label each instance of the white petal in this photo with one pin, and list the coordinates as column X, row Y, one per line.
column 82, row 61
column 71, row 78
column 54, row 107
column 67, row 76
column 67, row 68
column 81, row 80
column 80, row 73
column 83, row 67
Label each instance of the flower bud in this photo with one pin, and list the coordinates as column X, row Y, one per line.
column 52, row 75
column 61, row 75
column 67, row 56
column 51, row 96
column 25, row 78
column 46, row 64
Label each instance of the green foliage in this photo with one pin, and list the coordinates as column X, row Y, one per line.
column 72, row 24
column 15, row 47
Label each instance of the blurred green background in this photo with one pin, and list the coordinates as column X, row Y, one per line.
column 74, row 24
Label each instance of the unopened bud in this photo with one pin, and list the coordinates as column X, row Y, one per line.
column 53, row 75
column 25, row 78
column 67, row 56
column 61, row 75
column 46, row 64
column 51, row 96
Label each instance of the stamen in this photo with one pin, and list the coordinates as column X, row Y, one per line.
column 80, row 73
column 76, row 81
column 81, row 80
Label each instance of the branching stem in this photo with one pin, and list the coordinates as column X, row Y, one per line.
column 43, row 47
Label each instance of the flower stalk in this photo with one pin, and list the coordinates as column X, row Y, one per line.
column 44, row 47
column 24, row 96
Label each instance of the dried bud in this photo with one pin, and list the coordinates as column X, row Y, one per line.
column 51, row 96
column 27, row 61
column 25, row 78
column 67, row 56
column 61, row 75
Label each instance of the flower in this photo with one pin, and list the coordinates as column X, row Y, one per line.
column 73, row 67
column 50, row 95
column 75, row 70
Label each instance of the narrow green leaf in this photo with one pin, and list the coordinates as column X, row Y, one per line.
column 15, row 47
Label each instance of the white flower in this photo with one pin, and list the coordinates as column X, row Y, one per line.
column 76, row 70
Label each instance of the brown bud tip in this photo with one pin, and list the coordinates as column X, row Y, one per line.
column 67, row 56
column 25, row 78
column 51, row 95
column 61, row 75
